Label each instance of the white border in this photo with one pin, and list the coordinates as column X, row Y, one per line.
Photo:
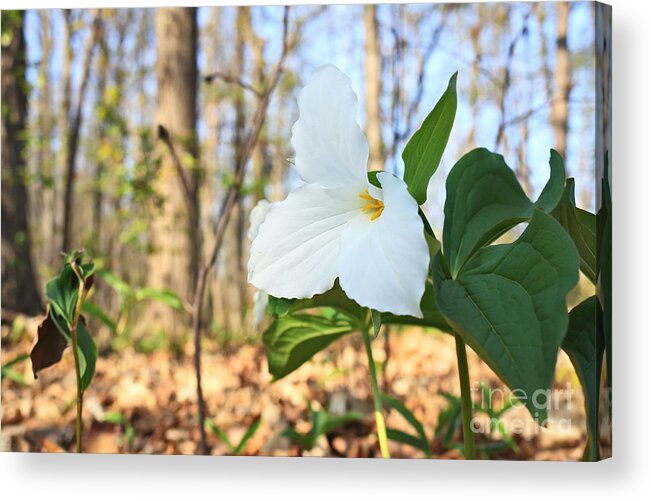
column 26, row 476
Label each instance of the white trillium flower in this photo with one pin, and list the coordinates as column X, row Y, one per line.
column 338, row 225
column 260, row 298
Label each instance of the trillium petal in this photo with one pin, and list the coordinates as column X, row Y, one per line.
column 330, row 147
column 385, row 262
column 257, row 217
column 297, row 250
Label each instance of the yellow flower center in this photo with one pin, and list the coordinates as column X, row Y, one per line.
column 373, row 204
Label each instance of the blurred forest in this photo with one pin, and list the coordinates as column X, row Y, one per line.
column 124, row 132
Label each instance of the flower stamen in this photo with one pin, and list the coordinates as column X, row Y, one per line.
column 375, row 205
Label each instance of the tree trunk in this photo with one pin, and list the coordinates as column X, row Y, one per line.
column 73, row 136
column 563, row 78
column 373, row 84
column 19, row 286
column 174, row 228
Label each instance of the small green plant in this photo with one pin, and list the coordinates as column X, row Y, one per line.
column 450, row 419
column 65, row 326
column 7, row 370
column 322, row 423
column 234, row 450
column 129, row 298
column 418, row 440
column 128, row 432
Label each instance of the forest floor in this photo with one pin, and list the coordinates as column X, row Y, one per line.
column 153, row 395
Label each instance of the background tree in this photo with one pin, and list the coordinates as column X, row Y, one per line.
column 19, row 285
column 173, row 229
column 373, row 87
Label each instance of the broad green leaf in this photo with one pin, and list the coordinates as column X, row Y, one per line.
column 86, row 349
column 432, row 317
column 484, row 200
column 423, row 152
column 294, row 339
column 88, row 352
column 336, row 299
column 604, row 267
column 584, row 345
column 582, row 227
column 62, row 292
column 279, row 306
column 508, row 304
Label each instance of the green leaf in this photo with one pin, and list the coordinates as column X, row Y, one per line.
column 582, row 227
column 7, row 370
column 376, row 318
column 293, row 339
column 407, row 439
column 336, row 299
column 508, row 304
column 220, row 433
column 248, row 436
column 88, row 352
column 331, row 423
column 62, row 292
column 90, row 308
column 484, row 200
column 584, row 345
column 116, row 283
column 432, row 317
column 279, row 306
column 423, row 152
column 399, row 406
column 160, row 295
column 553, row 190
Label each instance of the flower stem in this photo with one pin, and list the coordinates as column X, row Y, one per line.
column 377, row 401
column 466, row 400
column 73, row 342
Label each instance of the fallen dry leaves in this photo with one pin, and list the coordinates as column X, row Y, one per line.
column 154, row 395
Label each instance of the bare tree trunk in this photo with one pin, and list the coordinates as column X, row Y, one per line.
column 174, row 235
column 63, row 121
column 373, row 87
column 563, row 78
column 73, row 135
column 19, row 285
column 98, row 191
column 44, row 203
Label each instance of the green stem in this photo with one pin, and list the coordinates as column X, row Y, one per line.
column 377, row 400
column 466, row 400
column 75, row 354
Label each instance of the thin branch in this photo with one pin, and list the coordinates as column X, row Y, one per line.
column 224, row 217
column 231, row 79
column 164, row 135
column 524, row 31
column 73, row 134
